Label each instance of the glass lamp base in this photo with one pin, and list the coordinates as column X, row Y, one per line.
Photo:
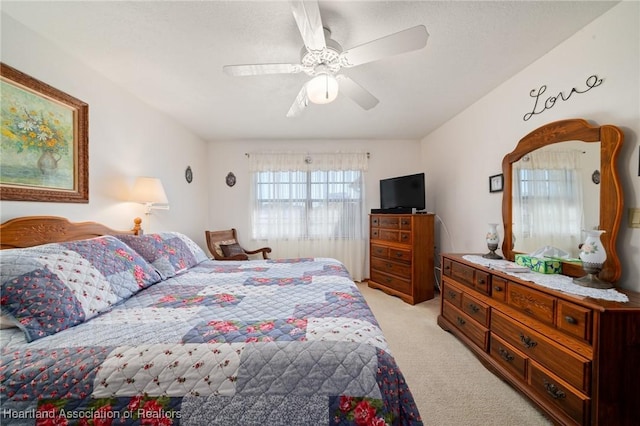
column 492, row 255
column 591, row 280
column 492, row 252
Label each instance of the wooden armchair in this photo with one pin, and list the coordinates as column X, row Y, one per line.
column 223, row 245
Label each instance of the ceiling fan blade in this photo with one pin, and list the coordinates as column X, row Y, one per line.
column 357, row 93
column 307, row 16
column 299, row 104
column 404, row 41
column 261, row 69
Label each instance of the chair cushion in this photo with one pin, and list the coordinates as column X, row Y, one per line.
column 231, row 249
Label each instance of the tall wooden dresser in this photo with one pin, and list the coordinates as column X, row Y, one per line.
column 577, row 358
column 402, row 255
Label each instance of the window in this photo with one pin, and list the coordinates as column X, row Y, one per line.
column 311, row 206
column 307, row 205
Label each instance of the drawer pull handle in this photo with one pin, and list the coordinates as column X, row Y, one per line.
column 497, row 288
column 527, row 342
column 452, row 294
column 554, row 391
column 474, row 308
column 481, row 281
column 398, row 254
column 447, row 268
column 461, row 321
column 504, row 354
column 388, row 280
column 570, row 320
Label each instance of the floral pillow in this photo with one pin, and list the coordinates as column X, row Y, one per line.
column 49, row 288
column 169, row 252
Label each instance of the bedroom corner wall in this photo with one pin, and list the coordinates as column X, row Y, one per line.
column 127, row 138
column 457, row 179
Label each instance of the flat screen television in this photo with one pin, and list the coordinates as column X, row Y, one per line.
column 403, row 192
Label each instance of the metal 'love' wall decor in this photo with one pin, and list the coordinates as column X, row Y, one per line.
column 541, row 106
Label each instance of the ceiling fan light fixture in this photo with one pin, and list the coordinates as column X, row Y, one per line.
column 322, row 89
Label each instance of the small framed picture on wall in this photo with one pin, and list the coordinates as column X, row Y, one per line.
column 496, row 182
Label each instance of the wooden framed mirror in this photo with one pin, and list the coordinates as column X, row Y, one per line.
column 610, row 203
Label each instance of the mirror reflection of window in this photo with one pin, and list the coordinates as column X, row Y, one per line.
column 548, row 200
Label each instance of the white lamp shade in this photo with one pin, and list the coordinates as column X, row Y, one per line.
column 148, row 190
column 322, row 89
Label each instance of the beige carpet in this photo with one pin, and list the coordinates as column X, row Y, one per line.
column 449, row 384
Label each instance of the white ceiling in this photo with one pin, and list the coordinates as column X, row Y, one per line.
column 170, row 54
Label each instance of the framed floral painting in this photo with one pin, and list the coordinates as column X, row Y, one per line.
column 44, row 142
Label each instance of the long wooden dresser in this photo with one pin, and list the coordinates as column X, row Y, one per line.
column 577, row 358
column 402, row 255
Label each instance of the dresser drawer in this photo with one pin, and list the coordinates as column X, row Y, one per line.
column 462, row 273
column 379, row 251
column 573, row 368
column 400, row 254
column 405, row 223
column 447, row 267
column 560, row 394
column 375, row 233
column 471, row 277
column 375, row 220
column 389, row 222
column 482, row 281
column 475, row 309
column 508, row 357
column 396, row 283
column 405, row 237
column 574, row 320
column 499, row 288
column 478, row 334
column 389, row 235
column 387, row 266
column 534, row 303
column 452, row 295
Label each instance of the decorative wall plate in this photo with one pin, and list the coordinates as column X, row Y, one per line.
column 230, row 179
column 188, row 174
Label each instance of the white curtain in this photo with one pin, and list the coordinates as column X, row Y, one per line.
column 311, row 205
column 548, row 200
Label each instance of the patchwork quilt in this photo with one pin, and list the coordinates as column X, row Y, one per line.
column 283, row 342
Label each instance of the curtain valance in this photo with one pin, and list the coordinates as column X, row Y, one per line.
column 290, row 161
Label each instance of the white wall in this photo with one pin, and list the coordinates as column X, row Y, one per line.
column 127, row 138
column 482, row 134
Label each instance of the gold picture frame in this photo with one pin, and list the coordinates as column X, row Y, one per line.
column 44, row 141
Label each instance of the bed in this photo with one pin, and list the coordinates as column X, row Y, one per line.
column 107, row 327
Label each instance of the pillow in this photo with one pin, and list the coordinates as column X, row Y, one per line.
column 218, row 246
column 231, row 249
column 51, row 287
column 169, row 252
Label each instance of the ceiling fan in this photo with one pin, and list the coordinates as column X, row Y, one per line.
column 322, row 58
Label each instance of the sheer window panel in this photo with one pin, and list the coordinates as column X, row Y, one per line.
column 311, row 205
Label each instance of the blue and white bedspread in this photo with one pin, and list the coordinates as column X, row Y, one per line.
column 282, row 342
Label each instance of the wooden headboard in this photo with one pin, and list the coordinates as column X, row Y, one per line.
column 32, row 231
